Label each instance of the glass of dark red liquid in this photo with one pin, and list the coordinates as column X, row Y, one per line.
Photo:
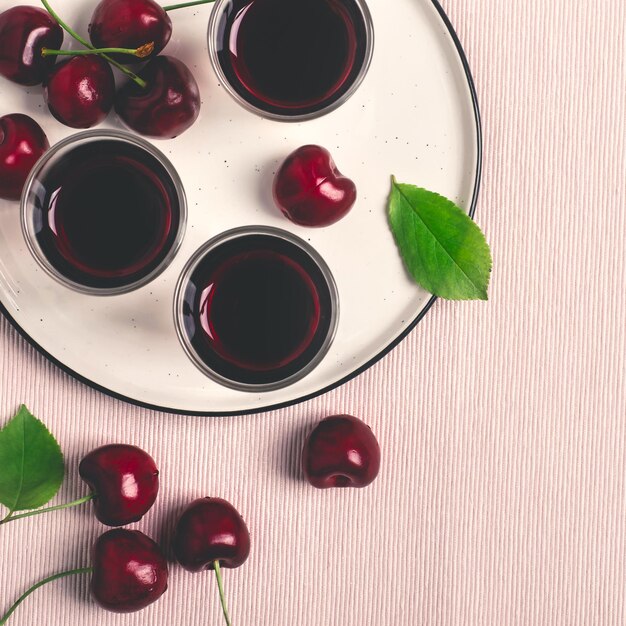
column 291, row 60
column 104, row 212
column 256, row 308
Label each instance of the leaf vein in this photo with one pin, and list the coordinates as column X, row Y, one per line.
column 421, row 219
column 23, row 460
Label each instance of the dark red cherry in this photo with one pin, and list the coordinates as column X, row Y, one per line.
column 341, row 452
column 129, row 571
column 310, row 190
column 80, row 92
column 125, row 481
column 22, row 142
column 24, row 31
column 209, row 530
column 130, row 24
column 167, row 107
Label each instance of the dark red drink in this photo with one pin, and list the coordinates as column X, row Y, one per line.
column 106, row 214
column 292, row 57
column 257, row 309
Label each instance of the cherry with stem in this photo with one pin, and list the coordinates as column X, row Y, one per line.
column 107, row 470
column 120, row 560
column 211, row 534
column 142, row 52
column 85, row 43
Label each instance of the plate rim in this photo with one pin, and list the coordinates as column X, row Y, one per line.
column 353, row 374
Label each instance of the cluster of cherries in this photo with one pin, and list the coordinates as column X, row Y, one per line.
column 162, row 100
column 129, row 570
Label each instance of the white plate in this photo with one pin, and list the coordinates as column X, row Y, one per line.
column 415, row 116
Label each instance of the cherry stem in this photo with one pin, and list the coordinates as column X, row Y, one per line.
column 41, row 583
column 142, row 52
column 184, row 5
column 142, row 83
column 220, row 586
column 10, row 517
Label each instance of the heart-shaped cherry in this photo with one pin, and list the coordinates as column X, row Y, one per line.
column 209, row 530
column 80, row 92
column 167, row 107
column 125, row 480
column 129, row 571
column 211, row 534
column 130, row 24
column 22, row 142
column 310, row 190
column 24, row 31
column 342, row 451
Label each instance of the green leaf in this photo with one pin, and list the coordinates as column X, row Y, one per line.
column 442, row 248
column 31, row 463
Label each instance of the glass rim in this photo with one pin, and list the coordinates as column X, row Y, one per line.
column 212, row 244
column 282, row 117
column 27, row 222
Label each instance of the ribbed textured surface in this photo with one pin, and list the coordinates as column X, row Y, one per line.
column 502, row 497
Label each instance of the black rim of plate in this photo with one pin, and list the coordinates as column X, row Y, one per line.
column 347, row 377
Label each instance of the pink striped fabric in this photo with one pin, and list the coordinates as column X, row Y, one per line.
column 502, row 496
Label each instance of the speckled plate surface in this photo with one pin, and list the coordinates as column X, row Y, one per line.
column 414, row 116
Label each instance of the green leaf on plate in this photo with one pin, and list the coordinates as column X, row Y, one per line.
column 442, row 248
column 31, row 463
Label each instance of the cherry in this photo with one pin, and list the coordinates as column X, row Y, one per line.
column 80, row 92
column 24, row 31
column 210, row 530
column 125, row 480
column 22, row 142
column 310, row 190
column 130, row 24
column 341, row 451
column 129, row 571
column 167, row 107
column 211, row 534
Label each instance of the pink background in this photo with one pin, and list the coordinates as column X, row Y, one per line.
column 503, row 425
